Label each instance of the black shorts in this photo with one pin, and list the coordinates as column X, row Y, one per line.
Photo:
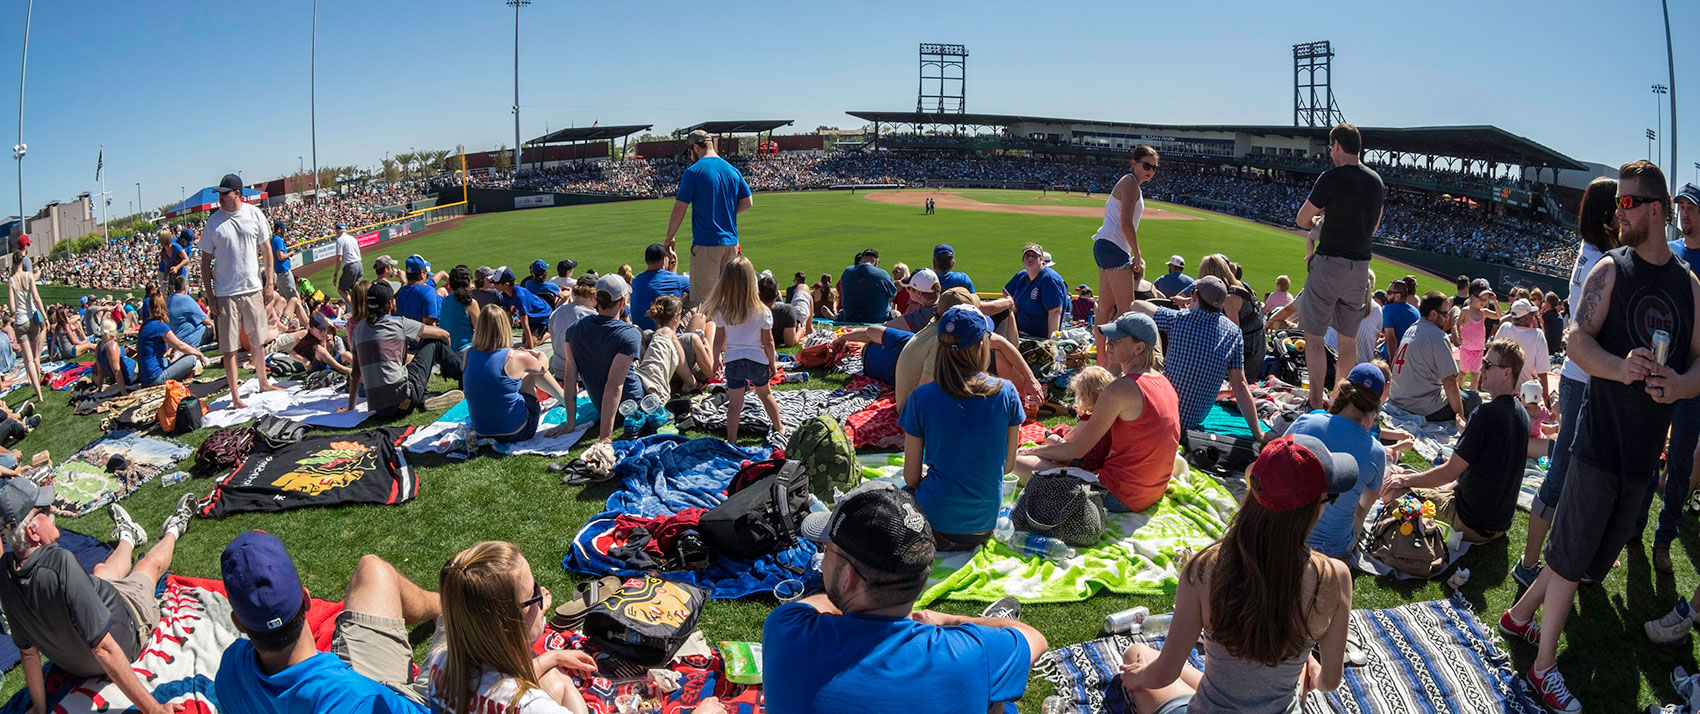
column 1598, row 513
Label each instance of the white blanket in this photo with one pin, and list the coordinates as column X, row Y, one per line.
column 314, row 407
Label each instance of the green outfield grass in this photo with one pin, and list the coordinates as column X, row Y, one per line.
column 1606, row 658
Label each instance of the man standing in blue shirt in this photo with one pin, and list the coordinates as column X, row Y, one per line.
column 1039, row 294
column 865, row 291
column 1173, row 282
column 944, row 264
column 285, row 281
column 715, row 193
column 277, row 669
column 830, row 653
column 418, row 300
column 655, row 281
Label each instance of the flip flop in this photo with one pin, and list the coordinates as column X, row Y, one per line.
column 569, row 615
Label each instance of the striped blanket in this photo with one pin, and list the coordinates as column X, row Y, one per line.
column 1434, row 657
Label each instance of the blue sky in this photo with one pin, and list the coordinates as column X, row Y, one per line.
column 181, row 93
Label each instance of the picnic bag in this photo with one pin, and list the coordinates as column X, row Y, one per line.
column 275, row 432
column 646, row 620
column 1061, row 506
column 169, row 415
column 222, row 451
column 1422, row 552
column 1218, row 453
column 765, row 505
column 828, row 459
column 821, row 355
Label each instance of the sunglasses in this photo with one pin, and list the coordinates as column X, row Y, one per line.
column 1628, row 201
column 1148, row 166
column 1489, row 365
column 536, row 596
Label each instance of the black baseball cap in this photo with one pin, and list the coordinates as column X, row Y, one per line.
column 379, row 295
column 566, row 264
column 230, row 182
column 879, row 525
column 654, row 253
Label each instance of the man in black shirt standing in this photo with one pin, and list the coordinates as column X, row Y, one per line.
column 1337, row 253
column 1488, row 463
column 1635, row 292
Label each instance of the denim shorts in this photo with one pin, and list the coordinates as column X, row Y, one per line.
column 1110, row 256
column 745, row 373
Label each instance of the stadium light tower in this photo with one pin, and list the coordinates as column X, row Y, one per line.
column 1650, row 136
column 1659, row 90
column 516, row 5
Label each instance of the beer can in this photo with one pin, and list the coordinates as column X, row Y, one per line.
column 1126, row 621
column 1661, row 346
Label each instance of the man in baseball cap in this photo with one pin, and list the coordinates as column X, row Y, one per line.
column 539, row 284
column 714, row 193
column 564, row 274
column 1204, row 348
column 831, row 651
column 1173, row 282
column 89, row 624
column 656, row 280
column 1687, row 246
column 384, row 267
column 525, row 306
column 277, row 668
column 924, row 291
column 603, row 350
column 944, row 263
column 418, row 299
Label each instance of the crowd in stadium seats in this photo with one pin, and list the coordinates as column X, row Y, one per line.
column 126, row 263
column 353, row 206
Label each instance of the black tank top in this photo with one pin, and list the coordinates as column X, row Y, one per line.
column 1624, row 429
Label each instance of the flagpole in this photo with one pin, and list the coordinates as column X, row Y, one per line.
column 101, row 169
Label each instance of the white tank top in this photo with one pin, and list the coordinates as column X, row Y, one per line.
column 1585, row 260
column 1112, row 228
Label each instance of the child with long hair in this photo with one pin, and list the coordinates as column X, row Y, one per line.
column 493, row 609
column 743, row 344
column 1266, row 600
column 963, row 427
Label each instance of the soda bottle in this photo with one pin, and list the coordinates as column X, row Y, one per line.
column 1042, row 546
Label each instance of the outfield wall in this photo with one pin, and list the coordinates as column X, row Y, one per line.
column 496, row 200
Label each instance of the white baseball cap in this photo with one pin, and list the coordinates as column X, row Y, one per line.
column 1531, row 393
column 1177, row 261
column 924, row 280
column 1521, row 307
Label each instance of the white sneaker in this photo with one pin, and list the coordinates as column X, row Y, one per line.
column 1674, row 627
column 126, row 528
column 180, row 516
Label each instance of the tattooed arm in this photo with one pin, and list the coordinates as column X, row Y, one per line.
column 1591, row 311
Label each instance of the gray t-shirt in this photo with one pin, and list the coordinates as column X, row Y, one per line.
column 53, row 605
column 382, row 350
column 1423, row 359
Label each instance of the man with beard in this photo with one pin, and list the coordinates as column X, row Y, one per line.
column 1637, row 290
column 861, row 647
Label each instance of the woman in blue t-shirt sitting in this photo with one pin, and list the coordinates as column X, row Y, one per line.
column 501, row 383
column 457, row 311
column 963, row 428
column 152, row 365
column 1349, row 428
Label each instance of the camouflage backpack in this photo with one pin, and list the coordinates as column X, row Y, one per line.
column 828, row 459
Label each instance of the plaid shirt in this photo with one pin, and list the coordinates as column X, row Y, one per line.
column 1203, row 346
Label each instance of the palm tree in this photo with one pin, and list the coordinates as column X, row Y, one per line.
column 391, row 172
column 405, row 161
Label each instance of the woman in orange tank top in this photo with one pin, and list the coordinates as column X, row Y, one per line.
column 1141, row 414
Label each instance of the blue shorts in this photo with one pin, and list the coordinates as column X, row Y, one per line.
column 533, row 415
column 1178, row 705
column 745, row 373
column 1110, row 256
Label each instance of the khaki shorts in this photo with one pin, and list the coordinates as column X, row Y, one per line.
column 238, row 314
column 706, row 263
column 136, row 590
column 376, row 648
column 1335, row 295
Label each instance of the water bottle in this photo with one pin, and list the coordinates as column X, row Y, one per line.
column 1042, row 546
column 1057, row 704
column 795, row 377
column 1544, row 462
column 1156, row 624
column 1006, row 525
column 633, row 418
column 173, row 478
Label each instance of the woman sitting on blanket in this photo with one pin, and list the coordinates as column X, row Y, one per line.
column 1140, row 413
column 110, row 362
column 153, row 367
column 501, row 383
column 1347, row 428
column 1265, row 599
column 963, row 427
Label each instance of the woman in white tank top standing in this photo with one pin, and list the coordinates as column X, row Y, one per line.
column 1116, row 245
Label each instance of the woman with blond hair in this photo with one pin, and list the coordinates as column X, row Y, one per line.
column 493, row 609
column 28, row 312
column 501, row 382
column 1240, row 308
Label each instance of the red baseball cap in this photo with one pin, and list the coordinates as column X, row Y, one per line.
column 23, row 241
column 1297, row 470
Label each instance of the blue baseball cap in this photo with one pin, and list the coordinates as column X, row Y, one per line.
column 966, row 323
column 279, row 224
column 340, row 225
column 504, row 274
column 1137, row 325
column 943, row 249
column 261, row 582
column 417, row 263
column 539, row 266
column 1368, row 376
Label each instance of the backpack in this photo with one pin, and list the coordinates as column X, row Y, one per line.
column 1421, row 552
column 167, row 414
column 764, row 507
column 223, row 450
column 828, row 459
column 275, row 432
column 1056, row 504
column 1218, row 453
column 191, row 414
column 646, row 620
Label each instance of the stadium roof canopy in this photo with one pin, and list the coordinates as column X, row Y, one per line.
column 1485, row 142
column 747, row 126
column 590, row 133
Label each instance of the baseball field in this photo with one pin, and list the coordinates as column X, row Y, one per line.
column 517, row 499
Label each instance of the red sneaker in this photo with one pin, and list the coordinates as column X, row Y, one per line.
column 1528, row 632
column 1550, row 686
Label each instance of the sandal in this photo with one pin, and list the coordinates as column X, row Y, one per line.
column 569, row 615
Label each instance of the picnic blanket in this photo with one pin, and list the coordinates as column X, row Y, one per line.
column 1225, row 419
column 319, row 470
column 875, row 425
column 89, row 552
column 1423, row 657
column 81, row 483
column 448, row 434
column 314, row 407
column 1434, row 440
column 663, row 474
column 1135, row 558
column 67, row 374
column 795, row 407
column 700, row 669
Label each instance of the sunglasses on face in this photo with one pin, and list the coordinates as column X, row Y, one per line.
column 1148, row 166
column 536, row 596
column 1489, row 365
column 1628, row 201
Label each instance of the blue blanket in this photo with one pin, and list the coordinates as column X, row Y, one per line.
column 663, row 474
column 89, row 553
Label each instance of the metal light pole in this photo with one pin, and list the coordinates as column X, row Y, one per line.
column 516, row 4
column 1659, row 90
column 300, row 166
column 1670, row 66
column 19, row 149
column 313, row 95
column 139, row 196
